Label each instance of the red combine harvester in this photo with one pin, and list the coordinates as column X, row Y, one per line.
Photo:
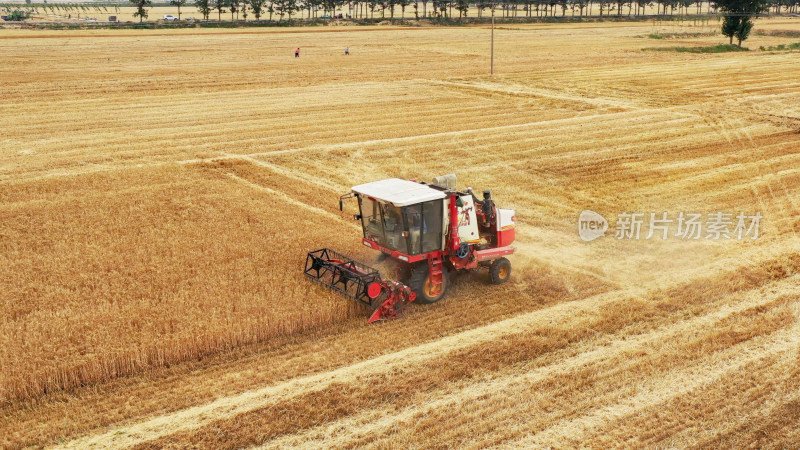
column 429, row 230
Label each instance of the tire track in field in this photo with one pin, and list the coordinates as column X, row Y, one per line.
column 347, row 431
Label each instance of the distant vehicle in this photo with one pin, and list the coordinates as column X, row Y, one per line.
column 169, row 18
column 327, row 16
column 112, row 18
column 189, row 19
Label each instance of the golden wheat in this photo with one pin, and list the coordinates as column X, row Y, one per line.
column 155, row 213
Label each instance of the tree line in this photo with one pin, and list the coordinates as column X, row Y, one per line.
column 367, row 9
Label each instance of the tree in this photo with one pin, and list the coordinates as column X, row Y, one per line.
column 220, row 5
column 738, row 17
column 440, row 6
column 257, row 6
column 729, row 26
column 141, row 8
column 285, row 7
column 178, row 3
column 743, row 31
column 233, row 5
column 403, row 4
column 462, row 6
column 204, row 7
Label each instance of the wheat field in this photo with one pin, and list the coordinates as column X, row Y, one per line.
column 159, row 190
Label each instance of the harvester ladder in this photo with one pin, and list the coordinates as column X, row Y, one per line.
column 435, row 268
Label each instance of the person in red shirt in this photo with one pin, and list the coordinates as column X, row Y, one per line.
column 297, row 53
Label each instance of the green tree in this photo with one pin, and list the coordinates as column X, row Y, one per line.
column 729, row 26
column 738, row 17
column 743, row 31
column 440, row 6
column 178, row 3
column 462, row 6
column 219, row 5
column 204, row 6
column 403, row 5
column 141, row 8
column 257, row 6
column 424, row 8
column 233, row 5
column 285, row 8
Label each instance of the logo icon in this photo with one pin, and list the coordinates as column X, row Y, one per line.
column 591, row 225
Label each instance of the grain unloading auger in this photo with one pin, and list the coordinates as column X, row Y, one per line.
column 429, row 230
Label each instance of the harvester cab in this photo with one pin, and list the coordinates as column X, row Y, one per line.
column 430, row 230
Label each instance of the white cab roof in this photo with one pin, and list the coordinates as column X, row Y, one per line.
column 399, row 192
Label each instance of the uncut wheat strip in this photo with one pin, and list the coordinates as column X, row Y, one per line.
column 227, row 407
column 785, row 343
column 348, row 430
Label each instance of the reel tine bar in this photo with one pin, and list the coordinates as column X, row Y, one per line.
column 341, row 273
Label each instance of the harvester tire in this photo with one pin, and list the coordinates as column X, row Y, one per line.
column 418, row 281
column 500, row 271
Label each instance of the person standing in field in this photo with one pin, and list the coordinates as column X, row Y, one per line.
column 297, row 53
column 347, row 50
